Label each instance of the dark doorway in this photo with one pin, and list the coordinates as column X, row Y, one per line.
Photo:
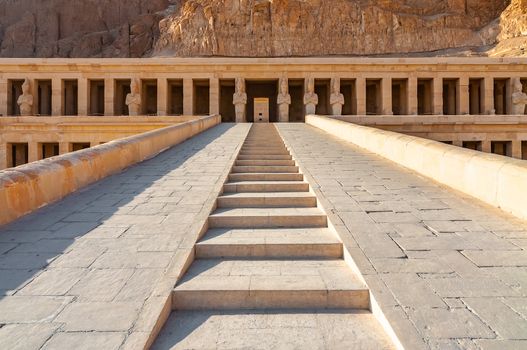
column 323, row 91
column 450, row 96
column 400, row 96
column 473, row 145
column 19, row 154
column 175, row 97
column 201, row 97
column 265, row 89
column 96, row 95
column 227, row 88
column 503, row 148
column 373, row 97
column 70, row 97
column 149, row 97
column 44, row 97
column 347, row 88
column 15, row 90
column 122, row 88
column 424, row 96
column 502, row 96
column 296, row 109
column 476, row 96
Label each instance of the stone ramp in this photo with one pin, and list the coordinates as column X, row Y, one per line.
column 94, row 270
column 268, row 256
column 448, row 271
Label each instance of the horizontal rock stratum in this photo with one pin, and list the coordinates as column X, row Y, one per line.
column 260, row 28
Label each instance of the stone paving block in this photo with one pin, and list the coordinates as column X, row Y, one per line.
column 497, row 258
column 137, row 260
column 53, row 282
column 499, row 317
column 99, row 316
column 26, row 336
column 30, row 309
column 477, row 286
column 101, row 285
column 45, row 246
column 74, row 229
column 449, row 323
column 417, row 296
column 26, row 261
column 78, row 257
column 392, row 217
column 11, row 280
column 85, row 341
column 491, row 344
column 450, row 242
column 139, row 286
column 403, row 265
column 412, row 230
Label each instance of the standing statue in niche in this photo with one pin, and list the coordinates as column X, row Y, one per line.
column 310, row 97
column 336, row 99
column 519, row 98
column 25, row 101
column 283, row 100
column 239, row 100
column 133, row 99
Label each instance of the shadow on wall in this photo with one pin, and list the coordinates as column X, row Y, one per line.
column 30, row 244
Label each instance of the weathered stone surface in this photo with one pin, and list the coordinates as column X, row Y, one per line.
column 61, row 28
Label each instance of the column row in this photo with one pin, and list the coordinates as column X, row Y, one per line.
column 331, row 96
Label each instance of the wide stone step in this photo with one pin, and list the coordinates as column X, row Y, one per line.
column 264, row 152
column 264, row 169
column 266, row 186
column 265, row 157
column 275, row 162
column 267, row 200
column 269, row 284
column 266, row 177
column 268, row 217
column 272, row 329
column 270, row 243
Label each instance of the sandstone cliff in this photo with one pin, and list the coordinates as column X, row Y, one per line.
column 251, row 28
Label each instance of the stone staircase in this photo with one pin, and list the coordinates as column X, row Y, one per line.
column 268, row 246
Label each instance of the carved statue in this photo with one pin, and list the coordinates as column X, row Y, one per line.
column 283, row 100
column 133, row 99
column 25, row 101
column 239, row 100
column 310, row 97
column 519, row 98
column 336, row 99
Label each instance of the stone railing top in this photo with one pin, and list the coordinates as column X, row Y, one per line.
column 94, row 62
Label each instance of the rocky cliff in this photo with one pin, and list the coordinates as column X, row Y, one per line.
column 253, row 28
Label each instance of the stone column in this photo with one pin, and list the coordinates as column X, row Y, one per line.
column 412, row 96
column 109, row 97
column 83, row 98
column 463, row 97
column 45, row 91
column 438, row 96
column 214, row 96
column 486, row 146
column 33, row 152
column 360, row 94
column 517, row 149
column 3, row 156
column 386, row 87
column 162, row 96
column 3, row 100
column 56, row 97
column 488, row 96
column 188, row 96
column 64, row 147
column 508, row 95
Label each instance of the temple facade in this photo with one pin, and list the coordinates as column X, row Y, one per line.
column 440, row 91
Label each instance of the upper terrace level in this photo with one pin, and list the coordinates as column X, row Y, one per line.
column 205, row 86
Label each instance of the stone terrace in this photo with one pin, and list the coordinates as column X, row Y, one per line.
column 95, row 267
column 447, row 270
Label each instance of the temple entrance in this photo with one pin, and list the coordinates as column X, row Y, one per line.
column 262, row 89
column 227, row 111
column 296, row 109
column 261, row 110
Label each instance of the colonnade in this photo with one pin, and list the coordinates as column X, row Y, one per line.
column 361, row 95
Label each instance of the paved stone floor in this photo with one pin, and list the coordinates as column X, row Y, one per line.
column 448, row 271
column 90, row 272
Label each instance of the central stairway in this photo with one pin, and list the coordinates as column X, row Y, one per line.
column 269, row 251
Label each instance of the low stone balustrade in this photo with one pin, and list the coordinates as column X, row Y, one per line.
column 26, row 188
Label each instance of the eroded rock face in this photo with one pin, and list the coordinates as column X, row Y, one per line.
column 254, row 28
column 318, row 27
column 78, row 28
